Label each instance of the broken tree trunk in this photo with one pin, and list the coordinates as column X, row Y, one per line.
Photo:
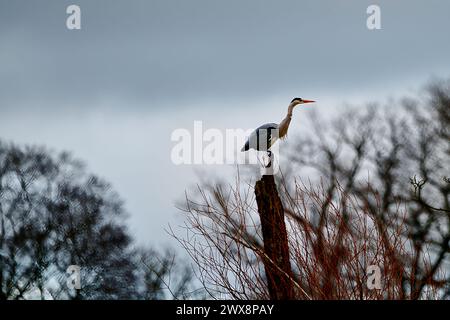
column 277, row 263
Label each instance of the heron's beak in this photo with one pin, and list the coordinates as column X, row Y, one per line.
column 307, row 101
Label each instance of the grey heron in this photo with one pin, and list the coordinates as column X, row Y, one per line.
column 263, row 137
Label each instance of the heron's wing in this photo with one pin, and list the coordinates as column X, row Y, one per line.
column 262, row 137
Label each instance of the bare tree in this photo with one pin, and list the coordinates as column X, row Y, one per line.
column 53, row 215
column 404, row 151
column 379, row 196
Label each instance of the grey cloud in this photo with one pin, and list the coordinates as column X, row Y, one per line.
column 160, row 51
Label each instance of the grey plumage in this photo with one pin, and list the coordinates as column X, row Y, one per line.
column 262, row 138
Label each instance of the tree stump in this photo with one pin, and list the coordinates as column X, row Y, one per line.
column 277, row 264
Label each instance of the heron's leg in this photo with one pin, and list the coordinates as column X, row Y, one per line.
column 269, row 154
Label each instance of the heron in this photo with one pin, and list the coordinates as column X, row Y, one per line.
column 264, row 137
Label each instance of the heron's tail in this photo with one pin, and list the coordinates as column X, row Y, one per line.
column 245, row 147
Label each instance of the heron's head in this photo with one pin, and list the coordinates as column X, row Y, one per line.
column 297, row 101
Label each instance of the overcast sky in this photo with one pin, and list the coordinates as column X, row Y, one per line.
column 113, row 91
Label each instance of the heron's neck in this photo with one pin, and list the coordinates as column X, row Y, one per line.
column 284, row 124
column 290, row 109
